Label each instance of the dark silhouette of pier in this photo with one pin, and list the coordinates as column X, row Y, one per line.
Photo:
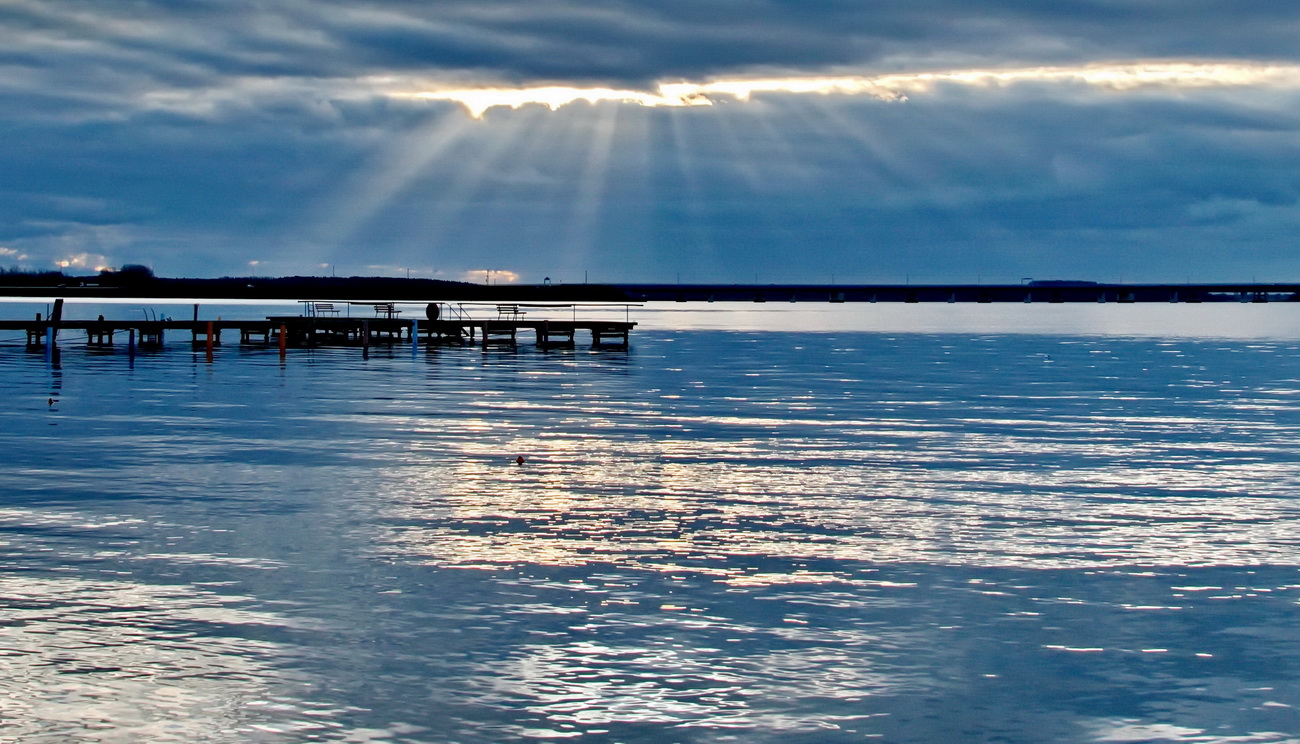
column 442, row 323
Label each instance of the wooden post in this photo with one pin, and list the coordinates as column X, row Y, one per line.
column 365, row 338
column 415, row 336
column 209, row 343
column 284, row 338
column 56, row 317
column 130, row 343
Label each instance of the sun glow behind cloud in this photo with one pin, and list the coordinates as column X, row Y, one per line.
column 568, row 185
column 893, row 87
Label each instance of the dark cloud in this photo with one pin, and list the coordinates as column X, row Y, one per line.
column 201, row 136
column 626, row 42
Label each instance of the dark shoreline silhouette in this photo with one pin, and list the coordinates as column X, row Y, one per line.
column 142, row 283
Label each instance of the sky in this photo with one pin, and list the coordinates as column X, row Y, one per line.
column 692, row 141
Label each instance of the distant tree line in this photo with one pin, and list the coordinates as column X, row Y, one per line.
column 14, row 272
column 135, row 280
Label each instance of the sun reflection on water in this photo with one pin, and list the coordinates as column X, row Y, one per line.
column 133, row 662
column 710, row 536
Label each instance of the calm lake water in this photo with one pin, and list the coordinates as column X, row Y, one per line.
column 903, row 524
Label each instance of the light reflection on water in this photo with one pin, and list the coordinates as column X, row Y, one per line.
column 715, row 537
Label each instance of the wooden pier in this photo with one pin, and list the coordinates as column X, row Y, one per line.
column 447, row 325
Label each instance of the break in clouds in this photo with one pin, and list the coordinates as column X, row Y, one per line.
column 721, row 141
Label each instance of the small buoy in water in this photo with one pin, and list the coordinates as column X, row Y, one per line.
column 520, row 460
column 51, row 401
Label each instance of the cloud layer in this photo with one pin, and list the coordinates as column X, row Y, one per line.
column 872, row 141
column 892, row 87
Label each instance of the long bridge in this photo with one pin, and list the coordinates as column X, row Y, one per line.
column 1026, row 292
column 358, row 290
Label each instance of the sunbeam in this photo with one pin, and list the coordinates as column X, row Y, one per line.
column 890, row 168
column 737, row 180
column 473, row 177
column 689, row 202
column 532, row 190
column 778, row 151
column 736, row 157
column 403, row 162
column 584, row 223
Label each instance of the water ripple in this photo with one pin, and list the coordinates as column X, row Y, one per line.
column 754, row 537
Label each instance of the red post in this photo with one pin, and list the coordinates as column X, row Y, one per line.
column 209, row 345
column 282, row 341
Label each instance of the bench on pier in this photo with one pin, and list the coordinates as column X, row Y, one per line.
column 324, row 308
column 386, row 310
column 510, row 312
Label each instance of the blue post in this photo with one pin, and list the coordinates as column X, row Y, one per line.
column 130, row 344
column 49, row 345
column 415, row 336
